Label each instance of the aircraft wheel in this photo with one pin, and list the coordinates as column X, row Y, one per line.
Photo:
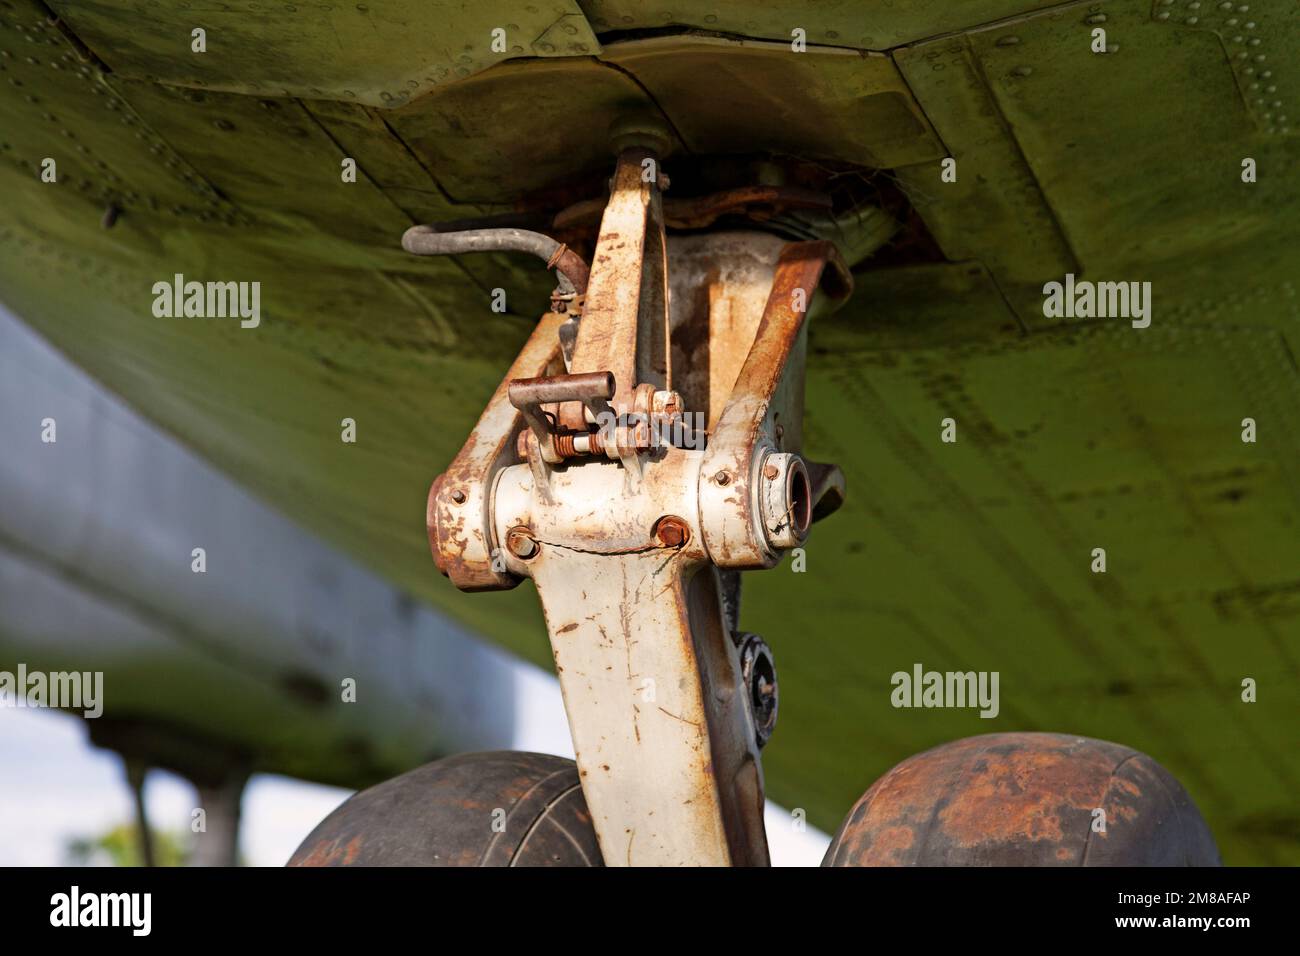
column 1025, row 799
column 485, row 809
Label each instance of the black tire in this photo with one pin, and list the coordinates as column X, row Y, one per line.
column 485, row 809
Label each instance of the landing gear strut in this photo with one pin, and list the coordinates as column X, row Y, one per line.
column 586, row 474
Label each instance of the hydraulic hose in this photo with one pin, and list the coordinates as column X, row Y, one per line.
column 428, row 241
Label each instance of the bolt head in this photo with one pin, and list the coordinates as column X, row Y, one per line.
column 521, row 543
column 672, row 532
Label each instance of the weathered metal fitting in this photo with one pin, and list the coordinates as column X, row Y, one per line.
column 459, row 508
column 666, row 403
column 758, row 677
column 672, row 531
column 456, row 521
column 531, row 396
column 785, row 500
column 643, row 131
column 564, row 445
column 521, row 543
column 586, row 508
column 737, row 532
column 755, row 512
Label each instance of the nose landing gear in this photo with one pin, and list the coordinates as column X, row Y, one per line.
column 644, row 448
column 587, row 474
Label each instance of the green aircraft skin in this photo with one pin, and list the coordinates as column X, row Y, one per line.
column 1072, row 434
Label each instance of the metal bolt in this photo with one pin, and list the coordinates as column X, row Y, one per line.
column 672, row 531
column 521, row 542
column 458, row 496
column 722, row 478
column 667, row 403
column 770, row 472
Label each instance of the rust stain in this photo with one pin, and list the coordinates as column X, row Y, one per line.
column 458, row 533
column 1000, row 798
column 330, row 853
column 893, row 841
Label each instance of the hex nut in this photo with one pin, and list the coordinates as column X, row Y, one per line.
column 672, row 532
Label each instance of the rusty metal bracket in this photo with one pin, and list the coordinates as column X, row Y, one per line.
column 625, row 319
column 458, row 514
column 592, row 481
column 592, row 389
column 753, row 478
